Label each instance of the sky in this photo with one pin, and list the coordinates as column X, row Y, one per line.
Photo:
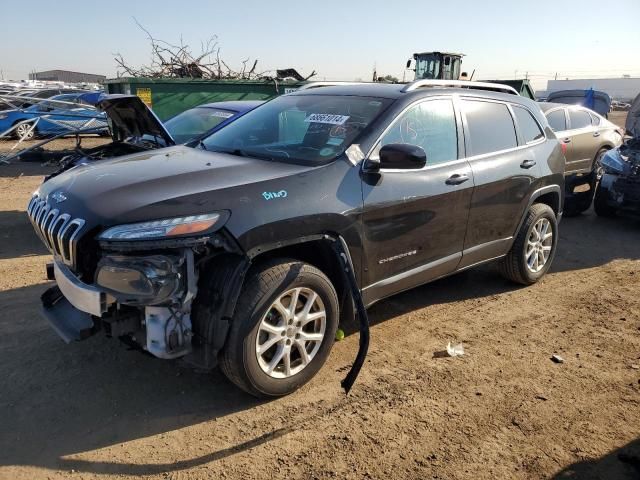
column 341, row 40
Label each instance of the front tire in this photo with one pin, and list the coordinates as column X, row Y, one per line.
column 533, row 250
column 597, row 164
column 24, row 132
column 283, row 328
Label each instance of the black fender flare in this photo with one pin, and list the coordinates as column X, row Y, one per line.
column 227, row 282
column 532, row 199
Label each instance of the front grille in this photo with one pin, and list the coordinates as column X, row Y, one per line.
column 58, row 231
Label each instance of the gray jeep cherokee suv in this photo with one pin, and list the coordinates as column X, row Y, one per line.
column 234, row 253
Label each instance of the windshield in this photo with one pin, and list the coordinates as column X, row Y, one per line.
column 305, row 129
column 427, row 67
column 195, row 122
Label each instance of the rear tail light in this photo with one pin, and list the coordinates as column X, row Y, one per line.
column 564, row 147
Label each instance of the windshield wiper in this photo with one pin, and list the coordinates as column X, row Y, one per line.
column 238, row 152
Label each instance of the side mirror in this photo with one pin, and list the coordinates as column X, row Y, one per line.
column 402, row 156
column 409, row 63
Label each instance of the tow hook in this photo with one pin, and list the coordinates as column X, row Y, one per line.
column 339, row 246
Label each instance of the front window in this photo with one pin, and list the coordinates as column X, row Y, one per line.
column 430, row 125
column 308, row 129
column 195, row 122
column 428, row 67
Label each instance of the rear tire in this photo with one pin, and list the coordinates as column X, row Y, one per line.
column 526, row 262
column 601, row 206
column 265, row 327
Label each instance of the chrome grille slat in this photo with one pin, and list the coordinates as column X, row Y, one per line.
column 58, row 231
column 56, row 241
column 47, row 221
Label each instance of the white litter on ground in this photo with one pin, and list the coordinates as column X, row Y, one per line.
column 455, row 350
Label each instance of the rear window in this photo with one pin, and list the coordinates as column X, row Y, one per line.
column 579, row 119
column 529, row 128
column 557, row 120
column 490, row 127
column 595, row 120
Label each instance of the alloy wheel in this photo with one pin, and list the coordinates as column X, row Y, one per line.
column 539, row 245
column 291, row 332
column 24, row 131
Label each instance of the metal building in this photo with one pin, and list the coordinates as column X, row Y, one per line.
column 67, row 76
column 623, row 89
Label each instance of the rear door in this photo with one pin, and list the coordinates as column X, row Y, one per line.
column 584, row 140
column 504, row 168
column 415, row 220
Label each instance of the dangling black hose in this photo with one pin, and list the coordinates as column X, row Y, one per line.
column 342, row 251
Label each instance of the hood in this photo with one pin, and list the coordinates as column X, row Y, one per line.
column 131, row 118
column 162, row 183
column 633, row 118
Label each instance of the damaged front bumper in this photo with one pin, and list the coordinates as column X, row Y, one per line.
column 70, row 305
column 622, row 193
column 146, row 299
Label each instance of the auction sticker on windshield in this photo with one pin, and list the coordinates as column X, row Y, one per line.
column 326, row 118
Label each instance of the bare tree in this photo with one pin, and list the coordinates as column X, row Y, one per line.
column 179, row 61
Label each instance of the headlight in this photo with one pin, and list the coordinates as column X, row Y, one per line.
column 166, row 228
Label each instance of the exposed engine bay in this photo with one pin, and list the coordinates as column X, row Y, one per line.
column 82, row 156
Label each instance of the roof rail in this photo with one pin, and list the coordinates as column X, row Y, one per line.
column 493, row 87
column 309, row 85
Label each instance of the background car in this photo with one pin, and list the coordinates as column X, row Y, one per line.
column 12, row 103
column 586, row 137
column 205, row 119
column 54, row 116
column 595, row 100
column 618, row 191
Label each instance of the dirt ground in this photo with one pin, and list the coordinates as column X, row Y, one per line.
column 504, row 410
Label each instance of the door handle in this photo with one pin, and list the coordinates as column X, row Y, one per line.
column 457, row 179
column 527, row 164
column 596, row 134
column 566, row 140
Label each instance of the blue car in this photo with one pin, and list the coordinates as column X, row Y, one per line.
column 51, row 118
column 203, row 120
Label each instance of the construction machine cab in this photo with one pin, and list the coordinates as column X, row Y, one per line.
column 436, row 65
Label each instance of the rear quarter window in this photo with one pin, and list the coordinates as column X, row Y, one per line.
column 490, row 127
column 557, row 120
column 528, row 126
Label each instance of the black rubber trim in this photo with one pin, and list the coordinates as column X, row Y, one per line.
column 69, row 323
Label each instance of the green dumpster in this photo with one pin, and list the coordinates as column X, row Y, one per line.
column 170, row 96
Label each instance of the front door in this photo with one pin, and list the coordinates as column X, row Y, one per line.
column 415, row 220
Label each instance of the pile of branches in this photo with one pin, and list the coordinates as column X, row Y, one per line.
column 178, row 61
